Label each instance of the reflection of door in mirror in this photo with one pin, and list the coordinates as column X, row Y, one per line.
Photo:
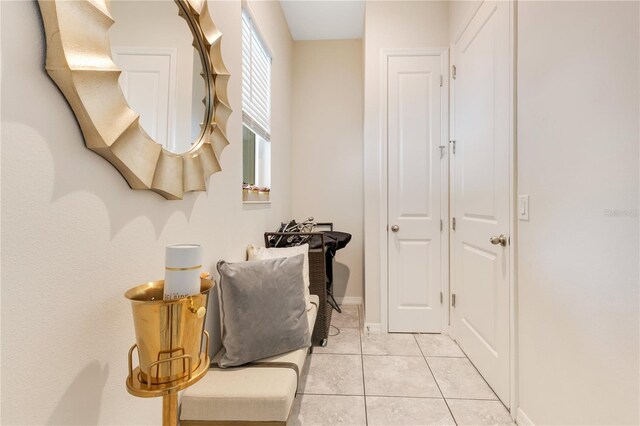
column 161, row 71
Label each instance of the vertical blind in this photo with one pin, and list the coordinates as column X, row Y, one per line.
column 256, row 80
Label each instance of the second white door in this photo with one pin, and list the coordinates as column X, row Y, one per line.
column 480, row 198
column 416, row 101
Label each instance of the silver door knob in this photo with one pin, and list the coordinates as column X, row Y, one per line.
column 395, row 228
column 502, row 240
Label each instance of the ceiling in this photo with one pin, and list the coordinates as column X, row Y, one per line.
column 324, row 20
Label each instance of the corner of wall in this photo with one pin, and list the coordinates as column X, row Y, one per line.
column 522, row 419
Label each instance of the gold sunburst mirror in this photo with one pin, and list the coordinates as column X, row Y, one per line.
column 136, row 132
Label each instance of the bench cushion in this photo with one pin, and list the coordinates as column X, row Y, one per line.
column 247, row 393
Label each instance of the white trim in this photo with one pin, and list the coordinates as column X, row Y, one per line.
column 349, row 300
column 373, row 327
column 513, row 184
column 385, row 54
column 383, row 194
column 444, row 191
column 522, row 419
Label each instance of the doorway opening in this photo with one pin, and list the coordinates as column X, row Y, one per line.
column 456, row 278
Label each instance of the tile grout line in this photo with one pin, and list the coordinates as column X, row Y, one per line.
column 481, row 376
column 400, row 396
column 487, row 383
column 435, row 380
column 474, row 399
column 383, row 355
column 331, row 353
column 364, row 389
column 392, row 396
column 336, row 394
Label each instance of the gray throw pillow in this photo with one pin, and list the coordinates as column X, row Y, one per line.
column 263, row 309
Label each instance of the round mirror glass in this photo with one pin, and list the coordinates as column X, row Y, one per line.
column 162, row 73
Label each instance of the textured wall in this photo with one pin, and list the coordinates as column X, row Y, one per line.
column 327, row 134
column 75, row 237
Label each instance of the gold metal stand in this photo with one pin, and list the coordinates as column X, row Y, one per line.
column 168, row 343
column 170, row 409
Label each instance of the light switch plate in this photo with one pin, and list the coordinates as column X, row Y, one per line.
column 523, row 207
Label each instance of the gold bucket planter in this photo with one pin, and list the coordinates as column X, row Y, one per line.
column 168, row 340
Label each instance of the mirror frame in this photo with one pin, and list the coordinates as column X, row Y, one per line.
column 79, row 61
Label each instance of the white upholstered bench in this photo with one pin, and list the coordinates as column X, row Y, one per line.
column 258, row 394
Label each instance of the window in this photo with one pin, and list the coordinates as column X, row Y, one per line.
column 256, row 113
column 256, row 159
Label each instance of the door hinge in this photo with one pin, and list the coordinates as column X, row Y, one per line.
column 453, row 145
column 442, row 148
column 453, row 223
column 453, row 300
column 441, row 298
column 454, row 73
column 441, row 226
column 441, row 80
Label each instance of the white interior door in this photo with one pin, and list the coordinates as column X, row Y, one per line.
column 481, row 194
column 415, row 131
column 148, row 84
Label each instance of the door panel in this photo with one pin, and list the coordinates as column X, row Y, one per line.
column 414, row 113
column 414, row 144
column 478, row 280
column 412, row 293
column 148, row 84
column 480, row 198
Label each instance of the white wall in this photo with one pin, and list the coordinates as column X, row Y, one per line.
column 578, row 146
column 75, row 237
column 460, row 13
column 388, row 24
column 327, row 152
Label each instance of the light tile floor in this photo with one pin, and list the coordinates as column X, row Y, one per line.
column 392, row 379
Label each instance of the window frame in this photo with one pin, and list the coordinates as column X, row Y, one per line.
column 256, row 117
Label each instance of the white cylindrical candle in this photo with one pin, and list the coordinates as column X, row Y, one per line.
column 183, row 264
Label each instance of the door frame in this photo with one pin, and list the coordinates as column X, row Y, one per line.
column 513, row 193
column 385, row 54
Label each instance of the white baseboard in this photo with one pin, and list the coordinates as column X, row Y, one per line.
column 349, row 300
column 522, row 419
column 372, row 327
